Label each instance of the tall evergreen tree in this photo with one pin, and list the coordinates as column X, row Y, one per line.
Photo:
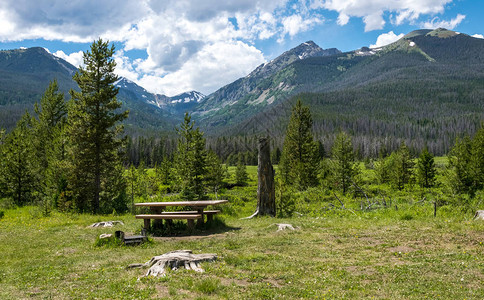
column 94, row 131
column 49, row 142
column 191, row 159
column 426, row 170
column 215, row 172
column 477, row 161
column 299, row 159
column 19, row 172
column 3, row 185
column 241, row 171
column 459, row 175
column 400, row 166
column 343, row 167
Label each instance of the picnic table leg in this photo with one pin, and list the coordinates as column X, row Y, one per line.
column 209, row 218
column 191, row 224
column 157, row 224
column 200, row 221
column 147, row 224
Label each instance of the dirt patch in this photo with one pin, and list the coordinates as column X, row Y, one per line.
column 360, row 270
column 66, row 251
column 401, row 249
column 230, row 281
column 162, row 292
column 190, row 237
column 273, row 282
column 371, row 241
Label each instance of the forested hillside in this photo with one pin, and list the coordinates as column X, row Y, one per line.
column 424, row 89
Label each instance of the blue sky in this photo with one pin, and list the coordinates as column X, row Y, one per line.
column 172, row 46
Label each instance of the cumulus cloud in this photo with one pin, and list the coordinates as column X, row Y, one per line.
column 437, row 23
column 386, row 38
column 72, row 21
column 371, row 11
column 192, row 44
column 213, row 66
column 75, row 58
column 478, row 36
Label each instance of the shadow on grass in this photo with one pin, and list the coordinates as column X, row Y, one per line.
column 180, row 229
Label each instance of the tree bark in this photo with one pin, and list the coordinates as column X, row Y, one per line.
column 266, row 196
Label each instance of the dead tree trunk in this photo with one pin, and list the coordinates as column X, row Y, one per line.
column 266, row 196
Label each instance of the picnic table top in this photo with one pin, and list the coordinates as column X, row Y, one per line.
column 201, row 203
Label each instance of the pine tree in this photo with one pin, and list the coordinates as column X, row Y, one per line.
column 400, row 166
column 3, row 185
column 191, row 160
column 132, row 184
column 19, row 171
column 49, row 143
column 426, row 170
column 215, row 172
column 300, row 152
column 94, row 132
column 241, row 176
column 343, row 165
column 477, row 161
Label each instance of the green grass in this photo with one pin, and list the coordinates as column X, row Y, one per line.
column 400, row 252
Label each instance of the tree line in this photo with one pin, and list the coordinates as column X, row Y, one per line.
column 74, row 155
column 301, row 166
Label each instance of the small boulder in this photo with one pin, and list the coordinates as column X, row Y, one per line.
column 479, row 215
column 281, row 227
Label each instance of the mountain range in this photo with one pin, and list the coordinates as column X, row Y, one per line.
column 424, row 89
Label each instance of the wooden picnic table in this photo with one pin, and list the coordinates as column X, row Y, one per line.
column 158, row 214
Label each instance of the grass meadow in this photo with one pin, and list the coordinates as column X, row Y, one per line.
column 400, row 251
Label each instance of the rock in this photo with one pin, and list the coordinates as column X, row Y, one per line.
column 175, row 260
column 106, row 224
column 479, row 215
column 281, row 227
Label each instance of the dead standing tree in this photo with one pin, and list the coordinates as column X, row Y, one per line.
column 266, row 195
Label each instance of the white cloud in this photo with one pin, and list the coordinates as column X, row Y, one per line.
column 295, row 24
column 386, row 38
column 371, row 11
column 478, row 36
column 191, row 44
column 213, row 66
column 437, row 23
column 374, row 21
column 75, row 58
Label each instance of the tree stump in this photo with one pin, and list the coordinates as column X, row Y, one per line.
column 106, row 224
column 266, row 195
column 281, row 227
column 175, row 260
column 479, row 215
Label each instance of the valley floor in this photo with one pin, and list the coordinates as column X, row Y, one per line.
column 340, row 254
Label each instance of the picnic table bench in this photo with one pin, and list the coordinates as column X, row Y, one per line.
column 198, row 213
